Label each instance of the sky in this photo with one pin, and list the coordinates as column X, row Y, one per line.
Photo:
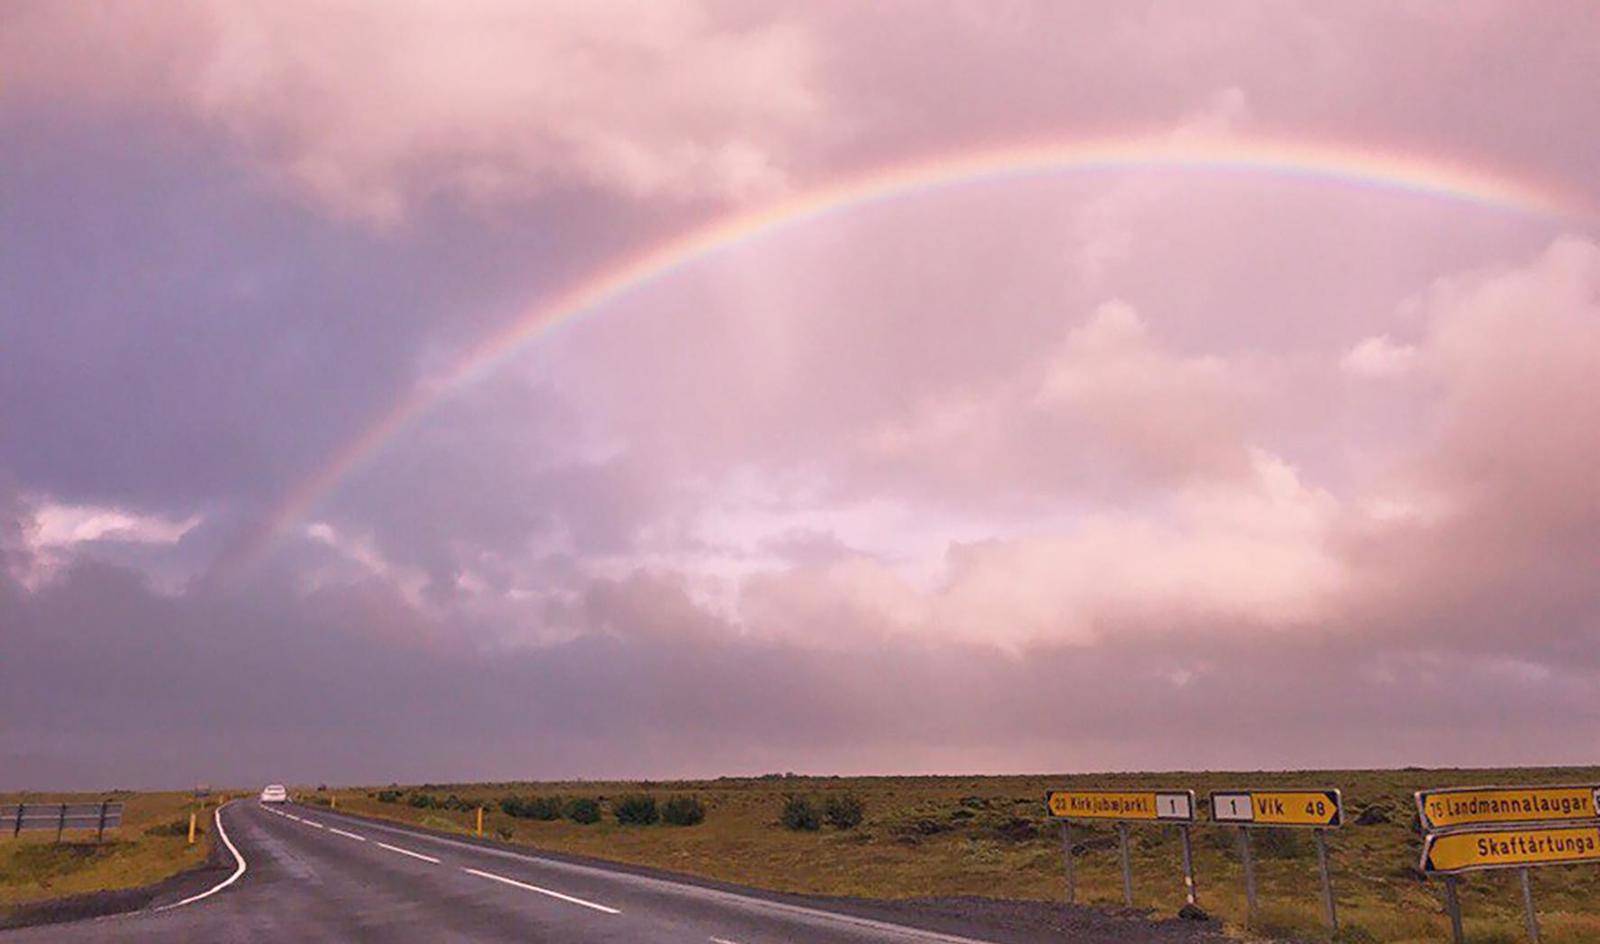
column 402, row 391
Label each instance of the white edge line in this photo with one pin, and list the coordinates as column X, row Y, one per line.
column 225, row 882
column 542, row 891
column 341, row 832
column 414, row 855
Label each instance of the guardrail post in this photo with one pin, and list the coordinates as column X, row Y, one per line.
column 1188, row 866
column 1127, row 866
column 1327, row 879
column 20, row 807
column 1452, row 907
column 1066, row 859
column 1249, row 874
column 61, row 824
column 1527, row 903
column 100, row 832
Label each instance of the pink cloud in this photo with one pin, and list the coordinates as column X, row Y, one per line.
column 370, row 109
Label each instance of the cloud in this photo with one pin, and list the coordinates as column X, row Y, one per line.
column 1254, row 555
column 1378, row 357
column 1107, row 409
column 374, row 109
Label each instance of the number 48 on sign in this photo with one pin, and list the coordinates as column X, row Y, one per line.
column 1320, row 809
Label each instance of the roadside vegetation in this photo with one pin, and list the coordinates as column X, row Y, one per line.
column 894, row 837
column 151, row 845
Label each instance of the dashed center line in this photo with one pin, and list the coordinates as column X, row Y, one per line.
column 312, row 823
column 414, row 855
column 350, row 835
column 542, row 891
column 722, row 940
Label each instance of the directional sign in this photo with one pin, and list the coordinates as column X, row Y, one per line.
column 1479, row 806
column 1149, row 805
column 1468, row 850
column 1321, row 809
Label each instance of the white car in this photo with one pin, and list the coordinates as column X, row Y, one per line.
column 274, row 793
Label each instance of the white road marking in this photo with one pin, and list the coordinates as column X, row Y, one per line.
column 542, row 891
column 414, row 855
column 722, row 940
column 351, row 835
column 312, row 823
column 225, row 882
column 738, row 900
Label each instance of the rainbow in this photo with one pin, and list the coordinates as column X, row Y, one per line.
column 1340, row 164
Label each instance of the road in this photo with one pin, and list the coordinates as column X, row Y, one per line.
column 314, row 875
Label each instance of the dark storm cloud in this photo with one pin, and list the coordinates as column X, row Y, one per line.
column 175, row 336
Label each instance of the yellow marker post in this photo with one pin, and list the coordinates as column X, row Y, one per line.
column 333, row 801
column 480, row 820
column 191, row 826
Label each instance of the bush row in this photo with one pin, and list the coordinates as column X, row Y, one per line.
column 639, row 809
column 839, row 810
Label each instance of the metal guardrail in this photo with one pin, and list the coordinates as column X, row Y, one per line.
column 61, row 817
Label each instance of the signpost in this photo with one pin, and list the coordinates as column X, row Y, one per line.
column 1470, row 829
column 1318, row 810
column 1123, row 807
column 1510, row 847
column 1476, row 806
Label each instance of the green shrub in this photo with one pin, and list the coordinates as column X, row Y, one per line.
column 423, row 801
column 799, row 814
column 389, row 796
column 845, row 811
column 1278, row 844
column 584, row 810
column 683, row 810
column 178, row 827
column 637, row 809
column 543, row 808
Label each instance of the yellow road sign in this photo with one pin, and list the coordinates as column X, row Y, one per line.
column 1472, row 849
column 1480, row 806
column 1152, row 805
column 1322, row 809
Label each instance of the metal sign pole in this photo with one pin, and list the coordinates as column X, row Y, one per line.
column 1249, row 873
column 1452, row 907
column 1527, row 902
column 1188, row 866
column 1127, row 867
column 1066, row 858
column 1327, row 880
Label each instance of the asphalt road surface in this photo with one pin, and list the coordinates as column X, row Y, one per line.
column 314, row 875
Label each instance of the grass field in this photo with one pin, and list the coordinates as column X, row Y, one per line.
column 989, row 836
column 151, row 845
